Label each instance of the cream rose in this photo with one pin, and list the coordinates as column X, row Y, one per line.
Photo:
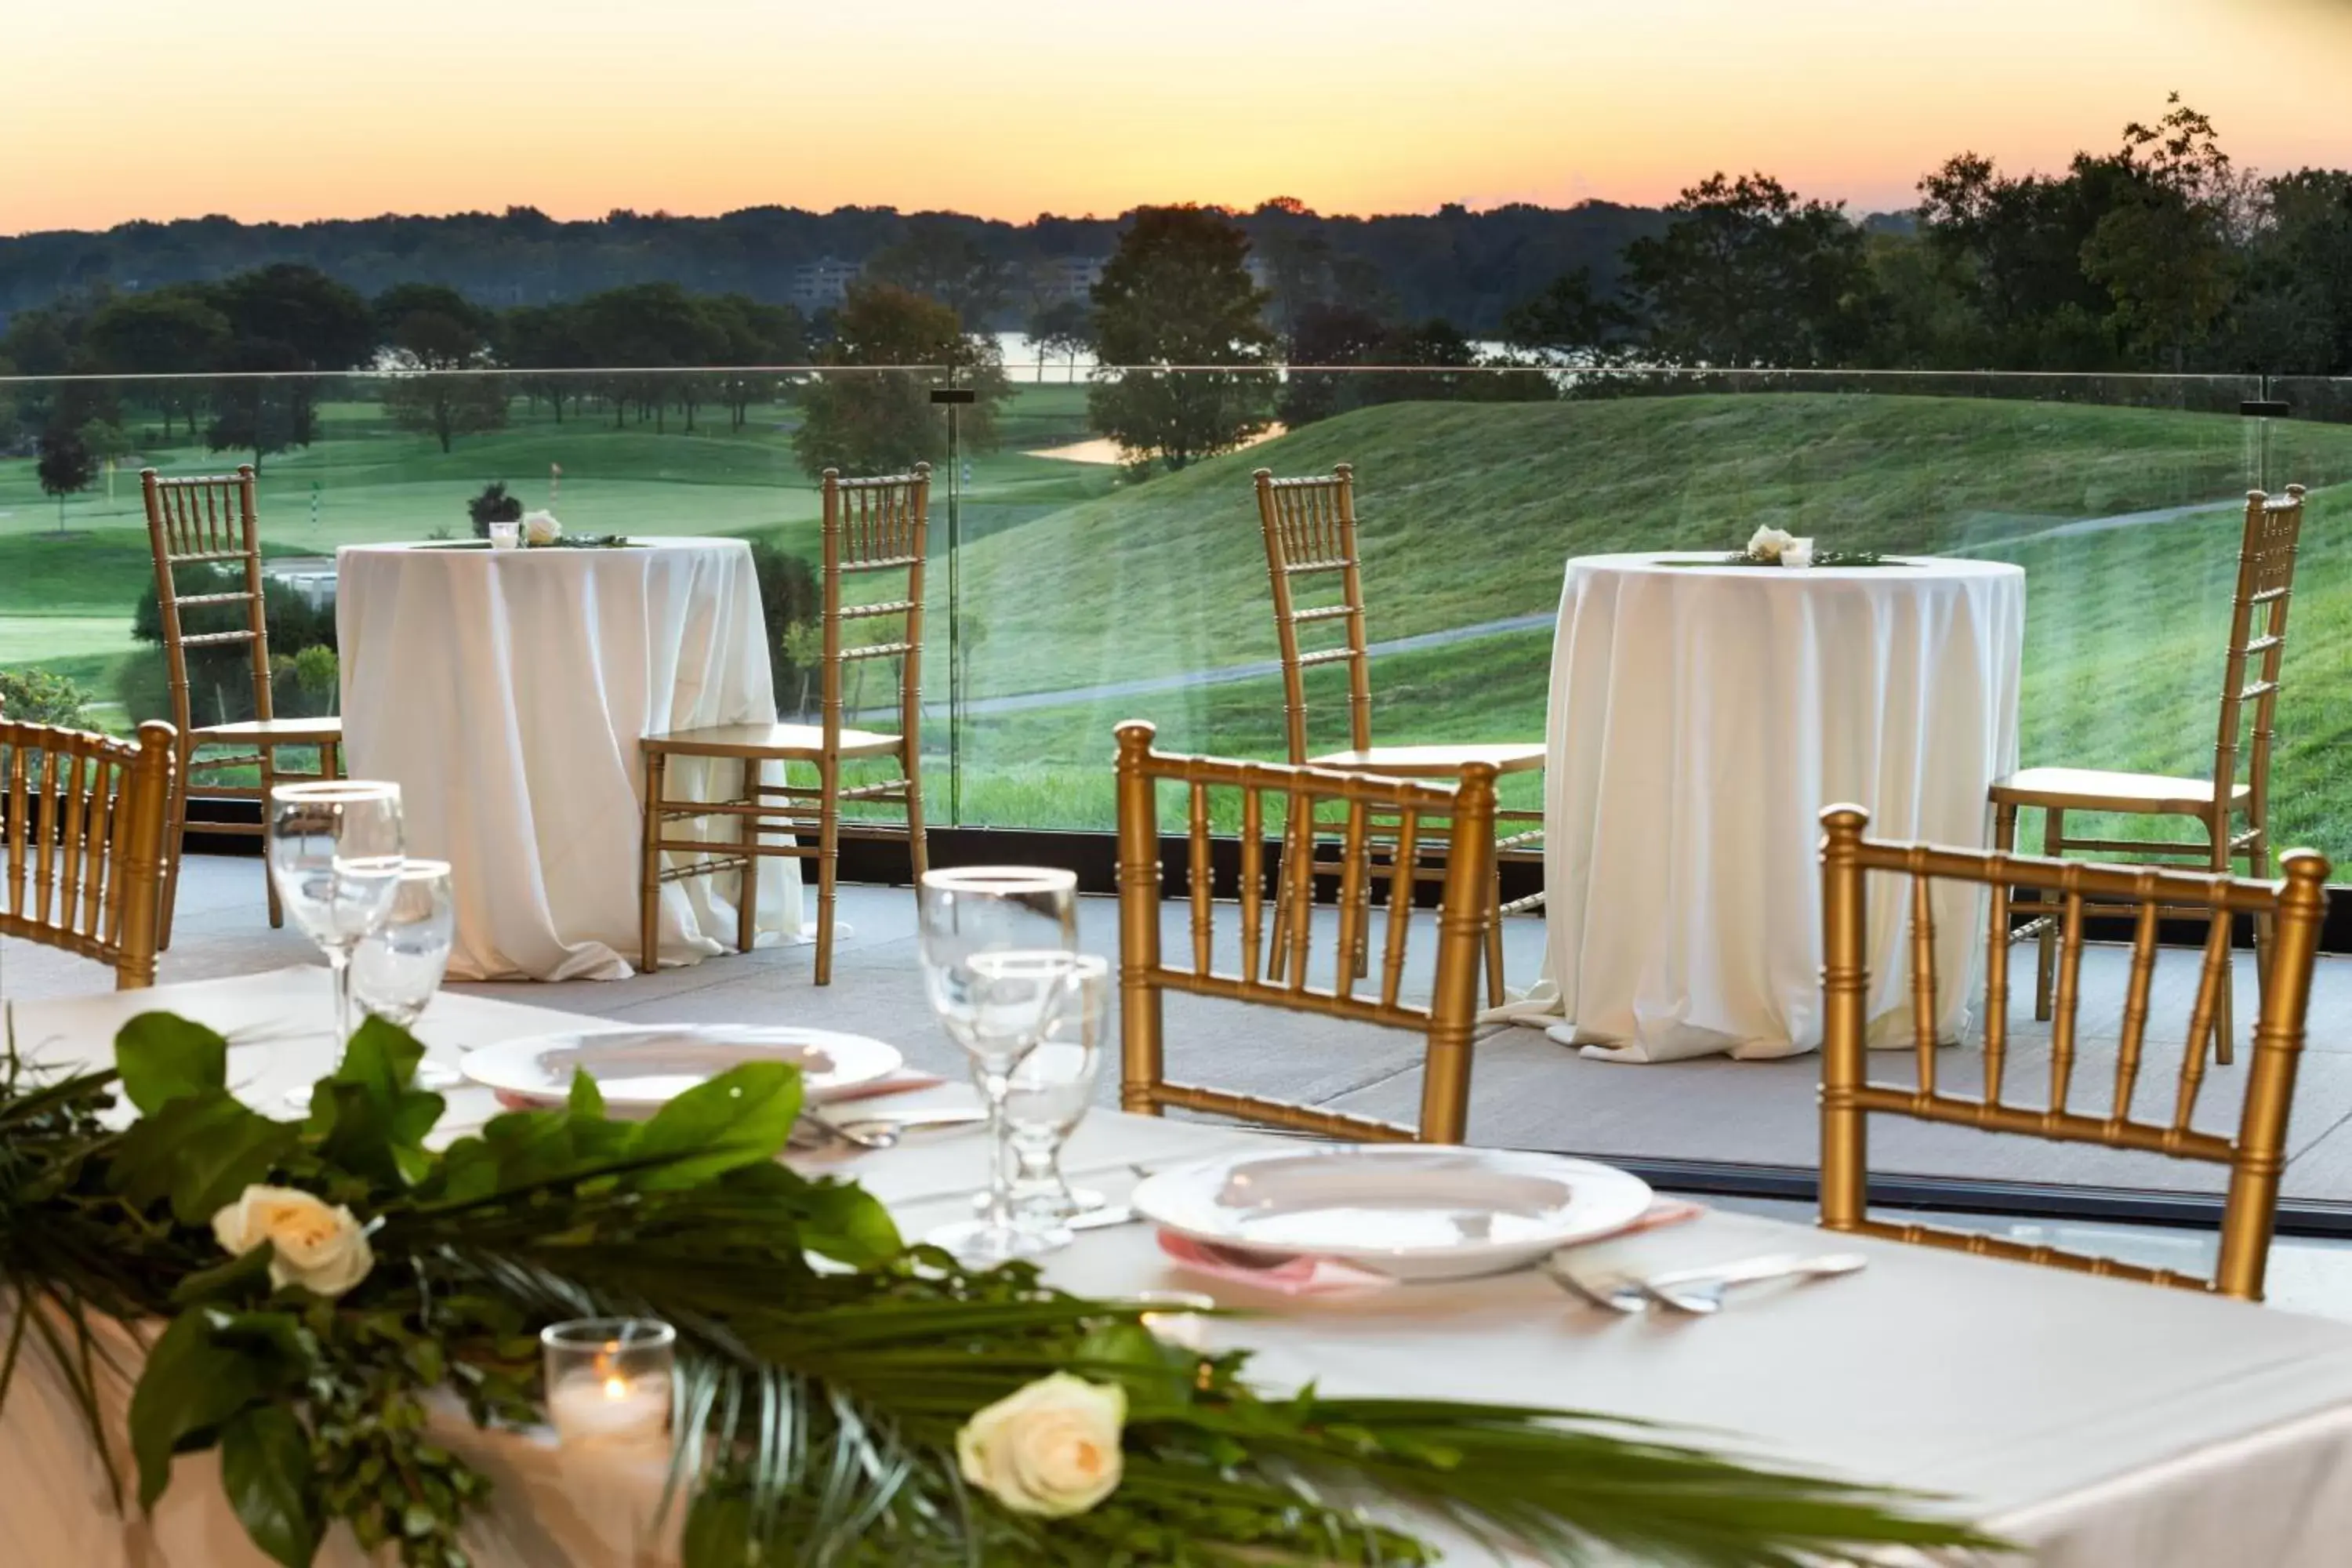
column 1767, row 543
column 540, row 528
column 1051, row 1448
column 1797, row 553
column 318, row 1247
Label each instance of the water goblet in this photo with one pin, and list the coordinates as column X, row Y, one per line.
column 997, row 947
column 1050, row 1090
column 335, row 857
column 397, row 968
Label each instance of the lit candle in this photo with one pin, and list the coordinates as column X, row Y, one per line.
column 588, row 1406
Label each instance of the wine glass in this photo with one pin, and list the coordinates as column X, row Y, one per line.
column 997, row 955
column 1049, row 1092
column 397, row 967
column 334, row 855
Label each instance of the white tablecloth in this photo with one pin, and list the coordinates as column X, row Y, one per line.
column 1700, row 720
column 506, row 693
column 2104, row 1424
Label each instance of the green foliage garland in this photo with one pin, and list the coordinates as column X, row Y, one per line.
column 817, row 1404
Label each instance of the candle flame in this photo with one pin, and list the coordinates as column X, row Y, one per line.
column 616, row 1388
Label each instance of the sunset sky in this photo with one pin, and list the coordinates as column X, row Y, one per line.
column 290, row 110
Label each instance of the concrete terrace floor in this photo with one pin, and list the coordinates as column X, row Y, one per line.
column 1527, row 1091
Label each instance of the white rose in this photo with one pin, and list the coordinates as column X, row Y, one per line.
column 318, row 1247
column 1797, row 553
column 1767, row 543
column 541, row 527
column 1051, row 1448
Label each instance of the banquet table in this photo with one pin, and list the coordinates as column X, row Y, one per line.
column 1701, row 717
column 506, row 692
column 2103, row 1424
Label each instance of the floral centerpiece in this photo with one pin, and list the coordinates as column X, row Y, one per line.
column 301, row 1286
column 1769, row 546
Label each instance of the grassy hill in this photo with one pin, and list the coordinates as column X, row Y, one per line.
column 1469, row 511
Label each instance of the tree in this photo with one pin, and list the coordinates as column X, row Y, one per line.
column 173, row 331
column 1065, row 328
column 548, row 338
column 1570, row 323
column 661, row 327
column 326, row 325
column 1178, row 293
column 268, row 403
column 64, row 465
column 2163, row 252
column 753, row 334
column 437, row 352
column 866, row 421
column 944, row 260
column 2293, row 311
column 1748, row 275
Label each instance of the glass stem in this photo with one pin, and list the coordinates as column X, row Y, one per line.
column 339, row 963
column 994, row 1086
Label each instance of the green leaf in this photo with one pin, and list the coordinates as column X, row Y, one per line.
column 200, row 1151
column 586, row 1099
column 163, row 1057
column 382, row 1058
column 266, row 1470
column 742, row 1117
column 193, row 1383
column 241, row 1275
column 367, row 1116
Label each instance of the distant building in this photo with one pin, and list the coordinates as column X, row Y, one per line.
column 823, row 284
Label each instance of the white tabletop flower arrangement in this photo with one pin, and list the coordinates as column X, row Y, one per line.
column 1769, row 546
column 314, row 1281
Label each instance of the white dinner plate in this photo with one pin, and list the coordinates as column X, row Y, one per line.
column 651, row 1065
column 1414, row 1212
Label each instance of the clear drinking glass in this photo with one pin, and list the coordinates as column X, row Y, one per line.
column 1049, row 1091
column 334, row 854
column 997, row 955
column 397, row 968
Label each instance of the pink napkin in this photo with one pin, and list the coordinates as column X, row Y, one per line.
column 1303, row 1274
column 903, row 1080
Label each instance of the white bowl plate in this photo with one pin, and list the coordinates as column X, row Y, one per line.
column 653, row 1065
column 1415, row 1212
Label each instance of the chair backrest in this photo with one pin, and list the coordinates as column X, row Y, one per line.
column 877, row 525
column 1405, row 812
column 2257, row 643
column 207, row 522
column 1310, row 531
column 2255, row 1154
column 85, row 821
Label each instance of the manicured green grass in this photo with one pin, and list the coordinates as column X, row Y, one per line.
column 1068, row 576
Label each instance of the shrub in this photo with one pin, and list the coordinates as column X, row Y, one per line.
column 39, row 697
column 493, row 505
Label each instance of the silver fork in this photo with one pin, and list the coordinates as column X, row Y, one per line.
column 1699, row 1293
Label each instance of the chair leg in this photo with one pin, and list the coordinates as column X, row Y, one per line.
column 649, row 869
column 747, row 888
column 918, row 846
column 269, row 777
column 1495, row 995
column 2053, row 835
column 331, row 760
column 829, row 852
column 2224, row 1023
column 175, row 829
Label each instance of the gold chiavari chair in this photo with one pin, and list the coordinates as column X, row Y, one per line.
column 211, row 522
column 2295, row 908
column 86, row 849
column 871, row 526
column 1410, row 807
column 1309, row 526
column 2266, row 554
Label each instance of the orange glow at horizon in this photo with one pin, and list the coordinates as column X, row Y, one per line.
column 275, row 109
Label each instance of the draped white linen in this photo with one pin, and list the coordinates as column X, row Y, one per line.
column 1701, row 718
column 506, row 693
column 2097, row 1423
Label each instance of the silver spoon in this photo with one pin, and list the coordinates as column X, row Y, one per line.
column 1699, row 1293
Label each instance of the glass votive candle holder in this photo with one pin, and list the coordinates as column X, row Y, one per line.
column 609, row 1379
column 505, row 535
